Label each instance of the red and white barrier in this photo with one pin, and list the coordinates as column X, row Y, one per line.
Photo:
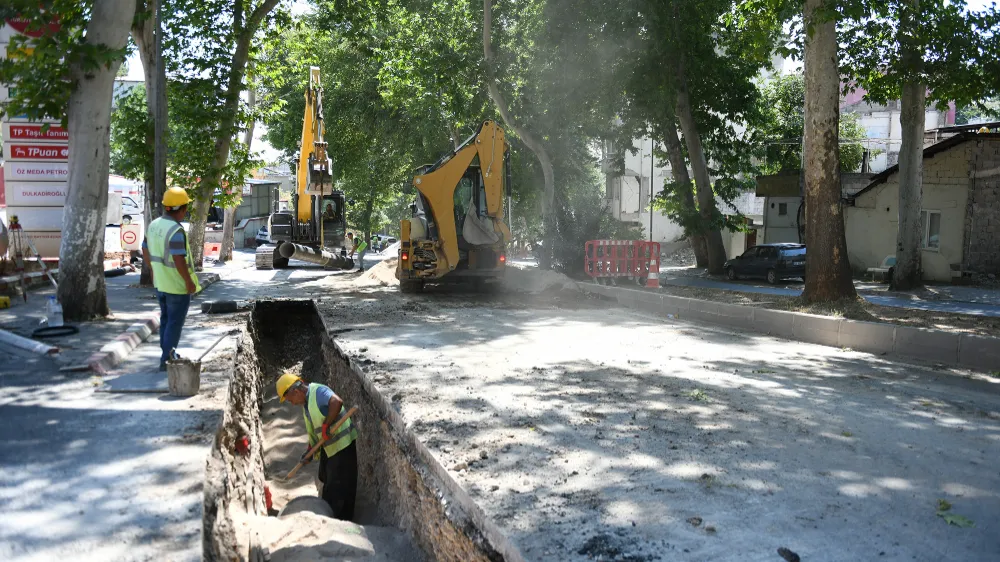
column 611, row 260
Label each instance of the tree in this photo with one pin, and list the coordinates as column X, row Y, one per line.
column 828, row 272
column 784, row 100
column 526, row 136
column 70, row 76
column 147, row 34
column 918, row 52
column 218, row 69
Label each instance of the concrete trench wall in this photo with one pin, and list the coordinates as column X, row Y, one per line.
column 400, row 483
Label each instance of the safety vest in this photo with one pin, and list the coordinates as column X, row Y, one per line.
column 346, row 433
column 362, row 246
column 165, row 275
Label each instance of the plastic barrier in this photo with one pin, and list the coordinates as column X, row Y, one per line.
column 608, row 261
column 212, row 249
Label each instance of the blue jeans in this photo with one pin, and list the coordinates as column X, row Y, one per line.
column 361, row 258
column 173, row 311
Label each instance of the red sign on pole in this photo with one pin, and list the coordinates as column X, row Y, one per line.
column 37, row 152
column 34, row 132
column 21, row 26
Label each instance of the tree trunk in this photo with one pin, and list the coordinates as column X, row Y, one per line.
column 715, row 251
column 679, row 169
column 910, row 234
column 229, row 215
column 529, row 140
column 82, row 291
column 828, row 271
column 224, row 139
column 148, row 38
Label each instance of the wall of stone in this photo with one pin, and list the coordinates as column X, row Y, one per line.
column 234, row 477
column 982, row 221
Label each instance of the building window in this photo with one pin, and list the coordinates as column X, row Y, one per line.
column 931, row 221
column 782, row 208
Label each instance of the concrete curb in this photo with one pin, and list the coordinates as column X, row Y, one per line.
column 118, row 349
column 952, row 349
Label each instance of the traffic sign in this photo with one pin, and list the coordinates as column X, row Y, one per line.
column 21, row 26
column 131, row 237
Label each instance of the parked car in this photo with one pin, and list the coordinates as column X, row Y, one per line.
column 131, row 211
column 773, row 262
column 262, row 236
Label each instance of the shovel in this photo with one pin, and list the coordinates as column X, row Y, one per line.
column 309, row 455
column 184, row 375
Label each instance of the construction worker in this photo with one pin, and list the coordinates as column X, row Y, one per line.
column 359, row 246
column 166, row 250
column 338, row 462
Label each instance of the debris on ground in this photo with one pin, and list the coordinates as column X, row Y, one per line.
column 383, row 273
column 682, row 257
column 788, row 555
column 534, row 280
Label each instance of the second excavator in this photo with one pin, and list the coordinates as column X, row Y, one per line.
column 314, row 229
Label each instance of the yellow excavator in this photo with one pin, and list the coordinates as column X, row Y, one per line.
column 457, row 230
column 314, row 229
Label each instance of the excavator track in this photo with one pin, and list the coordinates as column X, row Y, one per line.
column 264, row 258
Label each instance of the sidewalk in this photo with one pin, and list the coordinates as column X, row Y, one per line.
column 129, row 304
column 92, row 475
column 985, row 308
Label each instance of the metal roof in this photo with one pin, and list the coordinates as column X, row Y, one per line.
column 929, row 152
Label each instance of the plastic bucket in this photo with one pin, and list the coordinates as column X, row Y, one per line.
column 183, row 377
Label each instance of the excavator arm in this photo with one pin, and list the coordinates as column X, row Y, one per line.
column 437, row 186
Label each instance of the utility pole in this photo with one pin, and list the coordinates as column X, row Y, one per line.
column 652, row 143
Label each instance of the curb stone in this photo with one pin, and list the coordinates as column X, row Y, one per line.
column 118, row 349
column 115, row 351
column 953, row 349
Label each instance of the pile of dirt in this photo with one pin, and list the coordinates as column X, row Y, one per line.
column 533, row 280
column 383, row 273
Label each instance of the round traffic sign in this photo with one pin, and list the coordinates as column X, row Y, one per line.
column 21, row 26
column 128, row 237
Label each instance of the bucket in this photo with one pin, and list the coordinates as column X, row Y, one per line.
column 183, row 377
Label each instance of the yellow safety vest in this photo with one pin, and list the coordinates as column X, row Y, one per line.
column 165, row 275
column 346, row 433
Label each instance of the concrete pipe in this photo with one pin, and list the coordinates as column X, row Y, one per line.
column 293, row 251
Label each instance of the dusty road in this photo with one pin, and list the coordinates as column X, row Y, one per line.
column 590, row 432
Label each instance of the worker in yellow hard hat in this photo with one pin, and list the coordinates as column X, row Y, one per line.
column 166, row 250
column 338, row 461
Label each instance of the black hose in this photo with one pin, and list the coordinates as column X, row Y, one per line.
column 116, row 272
column 54, row 331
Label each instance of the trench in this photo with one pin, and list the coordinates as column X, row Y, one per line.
column 408, row 507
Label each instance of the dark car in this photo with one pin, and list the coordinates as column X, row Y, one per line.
column 773, row 262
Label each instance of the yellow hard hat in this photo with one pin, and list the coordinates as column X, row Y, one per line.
column 285, row 382
column 176, row 197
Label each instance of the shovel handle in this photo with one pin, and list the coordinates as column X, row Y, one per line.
column 320, row 445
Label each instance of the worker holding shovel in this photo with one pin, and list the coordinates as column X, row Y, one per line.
column 338, row 463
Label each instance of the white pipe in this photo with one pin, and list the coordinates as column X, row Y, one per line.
column 27, row 344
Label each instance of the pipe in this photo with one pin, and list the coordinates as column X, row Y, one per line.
column 299, row 252
column 26, row 344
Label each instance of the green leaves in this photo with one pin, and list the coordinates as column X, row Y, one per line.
column 943, row 511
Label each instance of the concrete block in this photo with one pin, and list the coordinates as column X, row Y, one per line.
column 979, row 352
column 932, row 345
column 626, row 297
column 817, row 329
column 735, row 315
column 774, row 322
column 649, row 301
column 867, row 336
